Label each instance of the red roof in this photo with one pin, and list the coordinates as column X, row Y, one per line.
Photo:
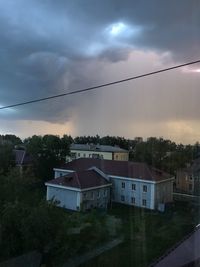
column 119, row 168
column 80, row 179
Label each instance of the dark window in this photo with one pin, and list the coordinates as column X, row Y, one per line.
column 123, row 185
column 132, row 200
column 144, row 202
column 144, row 188
column 133, row 186
column 122, row 198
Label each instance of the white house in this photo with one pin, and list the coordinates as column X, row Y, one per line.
column 132, row 183
column 80, row 190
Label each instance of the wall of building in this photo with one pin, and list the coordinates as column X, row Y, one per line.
column 133, row 192
column 96, row 198
column 184, row 182
column 75, row 154
column 121, row 156
column 67, row 198
column 59, row 173
column 90, row 154
column 163, row 192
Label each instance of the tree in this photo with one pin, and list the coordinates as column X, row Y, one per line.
column 48, row 152
column 6, row 158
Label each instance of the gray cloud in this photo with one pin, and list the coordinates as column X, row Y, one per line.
column 48, row 47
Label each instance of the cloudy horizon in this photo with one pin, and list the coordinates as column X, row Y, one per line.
column 50, row 48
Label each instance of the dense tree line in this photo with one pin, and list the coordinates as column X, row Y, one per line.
column 49, row 151
column 158, row 152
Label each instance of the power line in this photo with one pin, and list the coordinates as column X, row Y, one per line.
column 101, row 85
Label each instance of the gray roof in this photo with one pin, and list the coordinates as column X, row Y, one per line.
column 93, row 147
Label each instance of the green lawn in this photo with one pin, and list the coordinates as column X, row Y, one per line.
column 147, row 234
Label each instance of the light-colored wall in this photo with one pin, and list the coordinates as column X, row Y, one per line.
column 103, row 155
column 88, row 154
column 80, row 200
column 68, row 199
column 120, row 156
column 128, row 193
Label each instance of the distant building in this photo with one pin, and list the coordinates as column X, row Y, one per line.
column 188, row 179
column 22, row 159
column 97, row 151
column 131, row 183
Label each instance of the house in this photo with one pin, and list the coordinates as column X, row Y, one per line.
column 80, row 190
column 130, row 183
column 97, row 151
column 188, row 179
column 22, row 159
column 185, row 254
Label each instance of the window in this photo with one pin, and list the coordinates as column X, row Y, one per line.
column 132, row 200
column 133, row 186
column 79, row 154
column 84, row 155
column 98, row 194
column 144, row 188
column 190, row 187
column 144, row 202
column 122, row 198
column 123, row 185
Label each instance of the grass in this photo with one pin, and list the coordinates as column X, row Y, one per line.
column 147, row 234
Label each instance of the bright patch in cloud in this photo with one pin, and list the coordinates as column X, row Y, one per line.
column 117, row 28
column 121, row 29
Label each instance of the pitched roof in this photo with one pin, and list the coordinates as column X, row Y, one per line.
column 22, row 157
column 119, row 168
column 93, row 147
column 81, row 179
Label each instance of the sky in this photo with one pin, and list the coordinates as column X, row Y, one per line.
column 51, row 47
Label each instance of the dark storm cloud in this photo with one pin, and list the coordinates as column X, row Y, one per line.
column 47, row 47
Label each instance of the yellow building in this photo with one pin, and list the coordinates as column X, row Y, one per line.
column 97, row 151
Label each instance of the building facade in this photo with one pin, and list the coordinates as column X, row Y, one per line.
column 188, row 179
column 129, row 183
column 97, row 151
column 79, row 190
